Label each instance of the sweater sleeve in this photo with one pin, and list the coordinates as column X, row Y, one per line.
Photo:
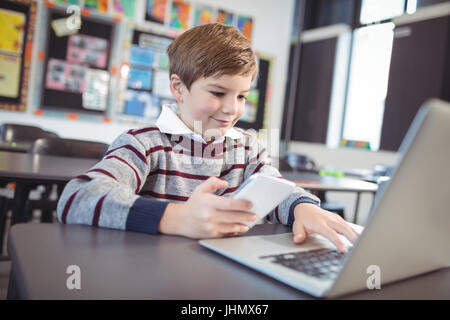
column 107, row 194
column 258, row 161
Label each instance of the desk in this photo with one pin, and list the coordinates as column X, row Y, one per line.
column 14, row 147
column 314, row 182
column 27, row 170
column 117, row 264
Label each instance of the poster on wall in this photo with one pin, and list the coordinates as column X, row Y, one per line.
column 203, row 15
column 141, row 56
column 63, row 27
column 245, row 24
column 76, row 76
column 12, row 30
column 125, row 8
column 157, row 46
column 146, row 83
column 97, row 5
column 142, row 104
column 65, row 76
column 84, row 49
column 95, row 93
column 257, row 108
column 17, row 23
column 140, row 78
column 179, row 15
column 161, row 84
column 154, row 42
column 251, row 106
column 156, row 11
column 225, row 17
column 69, row 2
column 9, row 75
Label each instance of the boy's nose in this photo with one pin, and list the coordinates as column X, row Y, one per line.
column 230, row 107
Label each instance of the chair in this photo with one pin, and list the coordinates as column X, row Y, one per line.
column 64, row 148
column 69, row 148
column 12, row 132
column 304, row 163
column 300, row 162
column 4, row 208
column 19, row 133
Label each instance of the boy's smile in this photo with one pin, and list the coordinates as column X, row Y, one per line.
column 213, row 104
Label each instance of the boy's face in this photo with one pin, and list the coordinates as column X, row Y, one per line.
column 213, row 104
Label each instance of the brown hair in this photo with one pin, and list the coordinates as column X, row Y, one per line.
column 211, row 50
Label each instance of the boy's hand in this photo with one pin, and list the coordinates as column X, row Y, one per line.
column 310, row 218
column 206, row 215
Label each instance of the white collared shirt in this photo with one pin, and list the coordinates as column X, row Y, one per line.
column 169, row 122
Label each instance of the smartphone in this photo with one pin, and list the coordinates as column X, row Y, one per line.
column 265, row 193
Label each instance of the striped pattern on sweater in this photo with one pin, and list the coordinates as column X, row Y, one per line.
column 145, row 169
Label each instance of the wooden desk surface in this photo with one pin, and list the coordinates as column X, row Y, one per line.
column 118, row 264
column 313, row 181
column 28, row 167
column 14, row 146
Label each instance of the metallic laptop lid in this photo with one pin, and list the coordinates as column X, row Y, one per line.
column 408, row 231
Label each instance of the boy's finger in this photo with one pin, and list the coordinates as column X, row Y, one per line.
column 227, row 228
column 344, row 229
column 235, row 216
column 210, row 185
column 331, row 235
column 229, row 204
column 299, row 232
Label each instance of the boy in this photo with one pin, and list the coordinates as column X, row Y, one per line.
column 175, row 177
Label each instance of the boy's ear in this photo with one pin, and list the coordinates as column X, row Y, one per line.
column 176, row 87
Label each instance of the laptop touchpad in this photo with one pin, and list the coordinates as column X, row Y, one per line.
column 285, row 242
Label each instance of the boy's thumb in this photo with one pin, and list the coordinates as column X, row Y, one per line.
column 299, row 233
column 211, row 184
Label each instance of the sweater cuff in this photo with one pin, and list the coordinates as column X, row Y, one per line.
column 290, row 221
column 145, row 215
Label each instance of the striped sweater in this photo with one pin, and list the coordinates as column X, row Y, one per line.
column 146, row 169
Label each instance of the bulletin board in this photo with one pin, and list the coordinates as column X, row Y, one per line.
column 145, row 85
column 257, row 104
column 180, row 15
column 155, row 11
column 17, row 23
column 76, row 66
column 91, row 75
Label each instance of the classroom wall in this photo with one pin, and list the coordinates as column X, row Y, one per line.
column 344, row 158
column 271, row 36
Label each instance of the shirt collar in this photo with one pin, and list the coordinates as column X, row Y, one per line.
column 169, row 122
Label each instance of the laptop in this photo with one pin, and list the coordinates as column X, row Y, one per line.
column 407, row 232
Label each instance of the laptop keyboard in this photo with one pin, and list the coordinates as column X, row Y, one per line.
column 321, row 263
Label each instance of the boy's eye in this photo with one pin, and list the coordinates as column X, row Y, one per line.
column 221, row 94
column 217, row 94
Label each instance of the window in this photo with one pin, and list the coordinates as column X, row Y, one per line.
column 369, row 70
column 371, row 55
column 366, row 82
column 411, row 7
column 379, row 10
